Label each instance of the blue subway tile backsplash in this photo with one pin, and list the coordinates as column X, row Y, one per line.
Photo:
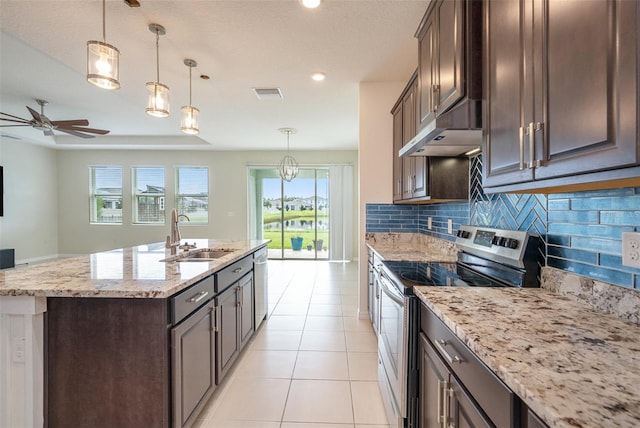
column 582, row 230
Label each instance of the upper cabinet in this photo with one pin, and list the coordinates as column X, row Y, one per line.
column 441, row 58
column 561, row 93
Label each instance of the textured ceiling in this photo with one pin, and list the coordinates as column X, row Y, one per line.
column 240, row 44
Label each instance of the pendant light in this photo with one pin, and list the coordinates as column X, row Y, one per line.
column 103, row 61
column 189, row 121
column 288, row 166
column 158, row 103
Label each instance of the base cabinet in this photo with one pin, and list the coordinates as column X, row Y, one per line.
column 193, row 344
column 235, row 328
column 444, row 402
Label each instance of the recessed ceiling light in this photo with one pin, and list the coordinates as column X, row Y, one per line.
column 311, row 4
column 318, row 76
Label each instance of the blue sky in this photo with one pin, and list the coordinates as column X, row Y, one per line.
column 299, row 187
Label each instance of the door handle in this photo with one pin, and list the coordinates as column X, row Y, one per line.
column 523, row 131
column 439, row 416
column 215, row 319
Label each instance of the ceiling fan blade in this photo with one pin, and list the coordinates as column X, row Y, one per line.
column 76, row 133
column 4, row 126
column 81, row 129
column 67, row 123
column 17, row 121
column 15, row 117
column 35, row 114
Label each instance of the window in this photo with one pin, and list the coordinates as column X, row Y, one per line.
column 192, row 193
column 148, row 195
column 105, row 190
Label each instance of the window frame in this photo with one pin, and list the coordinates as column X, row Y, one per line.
column 178, row 195
column 93, row 195
column 134, row 195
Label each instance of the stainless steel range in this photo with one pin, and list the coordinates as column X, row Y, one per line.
column 487, row 258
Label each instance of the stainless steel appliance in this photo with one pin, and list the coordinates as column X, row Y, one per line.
column 488, row 258
column 260, row 274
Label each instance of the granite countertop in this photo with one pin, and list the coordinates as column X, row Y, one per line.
column 412, row 247
column 571, row 365
column 136, row 272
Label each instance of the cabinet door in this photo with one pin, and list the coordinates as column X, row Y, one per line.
column 449, row 65
column 507, row 94
column 227, row 344
column 245, row 315
column 193, row 365
column 589, row 117
column 464, row 413
column 434, row 377
column 397, row 161
column 426, row 73
column 408, row 132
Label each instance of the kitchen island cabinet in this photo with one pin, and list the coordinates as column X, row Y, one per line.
column 562, row 93
column 118, row 338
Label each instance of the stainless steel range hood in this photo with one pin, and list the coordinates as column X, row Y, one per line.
column 453, row 133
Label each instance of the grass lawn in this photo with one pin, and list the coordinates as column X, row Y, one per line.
column 307, row 238
column 291, row 215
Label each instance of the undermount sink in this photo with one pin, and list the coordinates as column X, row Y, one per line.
column 209, row 254
column 201, row 255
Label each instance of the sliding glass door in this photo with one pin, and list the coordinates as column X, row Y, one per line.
column 294, row 215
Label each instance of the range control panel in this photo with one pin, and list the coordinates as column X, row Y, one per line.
column 502, row 245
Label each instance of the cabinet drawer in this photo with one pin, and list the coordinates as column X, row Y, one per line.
column 191, row 299
column 233, row 273
column 493, row 396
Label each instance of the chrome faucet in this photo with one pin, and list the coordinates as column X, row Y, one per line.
column 173, row 240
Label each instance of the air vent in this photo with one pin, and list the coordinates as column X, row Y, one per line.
column 268, row 93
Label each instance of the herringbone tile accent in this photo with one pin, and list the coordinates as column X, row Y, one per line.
column 505, row 211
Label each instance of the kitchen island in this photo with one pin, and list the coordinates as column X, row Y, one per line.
column 571, row 365
column 90, row 336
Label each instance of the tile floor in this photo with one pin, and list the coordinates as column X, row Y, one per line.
column 312, row 364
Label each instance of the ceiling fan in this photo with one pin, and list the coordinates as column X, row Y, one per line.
column 41, row 122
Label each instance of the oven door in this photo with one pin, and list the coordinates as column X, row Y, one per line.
column 393, row 344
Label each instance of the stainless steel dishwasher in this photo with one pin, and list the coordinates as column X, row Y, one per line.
column 261, row 288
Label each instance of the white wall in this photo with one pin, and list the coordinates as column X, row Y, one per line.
column 227, row 198
column 30, row 221
column 375, row 159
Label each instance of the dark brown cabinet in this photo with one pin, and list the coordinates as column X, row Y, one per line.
column 422, row 179
column 561, row 80
column 456, row 388
column 193, row 343
column 441, row 47
column 414, row 168
column 235, row 306
column 444, row 402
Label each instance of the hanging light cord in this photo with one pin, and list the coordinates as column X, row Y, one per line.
column 157, row 57
column 288, row 133
column 104, row 25
column 190, row 67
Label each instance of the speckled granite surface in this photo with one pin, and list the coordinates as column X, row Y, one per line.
column 604, row 297
column 571, row 365
column 411, row 247
column 135, row 272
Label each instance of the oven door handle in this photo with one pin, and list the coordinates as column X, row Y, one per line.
column 391, row 291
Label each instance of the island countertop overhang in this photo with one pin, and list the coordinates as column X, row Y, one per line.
column 134, row 272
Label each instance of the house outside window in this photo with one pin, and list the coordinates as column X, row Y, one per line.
column 148, row 195
column 105, row 195
column 192, row 193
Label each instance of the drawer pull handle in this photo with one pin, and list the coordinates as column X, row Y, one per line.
column 196, row 298
column 440, row 344
column 236, row 270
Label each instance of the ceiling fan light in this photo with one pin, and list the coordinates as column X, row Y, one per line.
column 189, row 120
column 158, row 99
column 103, row 65
column 311, row 4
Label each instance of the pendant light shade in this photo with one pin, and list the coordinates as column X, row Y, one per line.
column 103, row 61
column 158, row 94
column 288, row 167
column 189, row 120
